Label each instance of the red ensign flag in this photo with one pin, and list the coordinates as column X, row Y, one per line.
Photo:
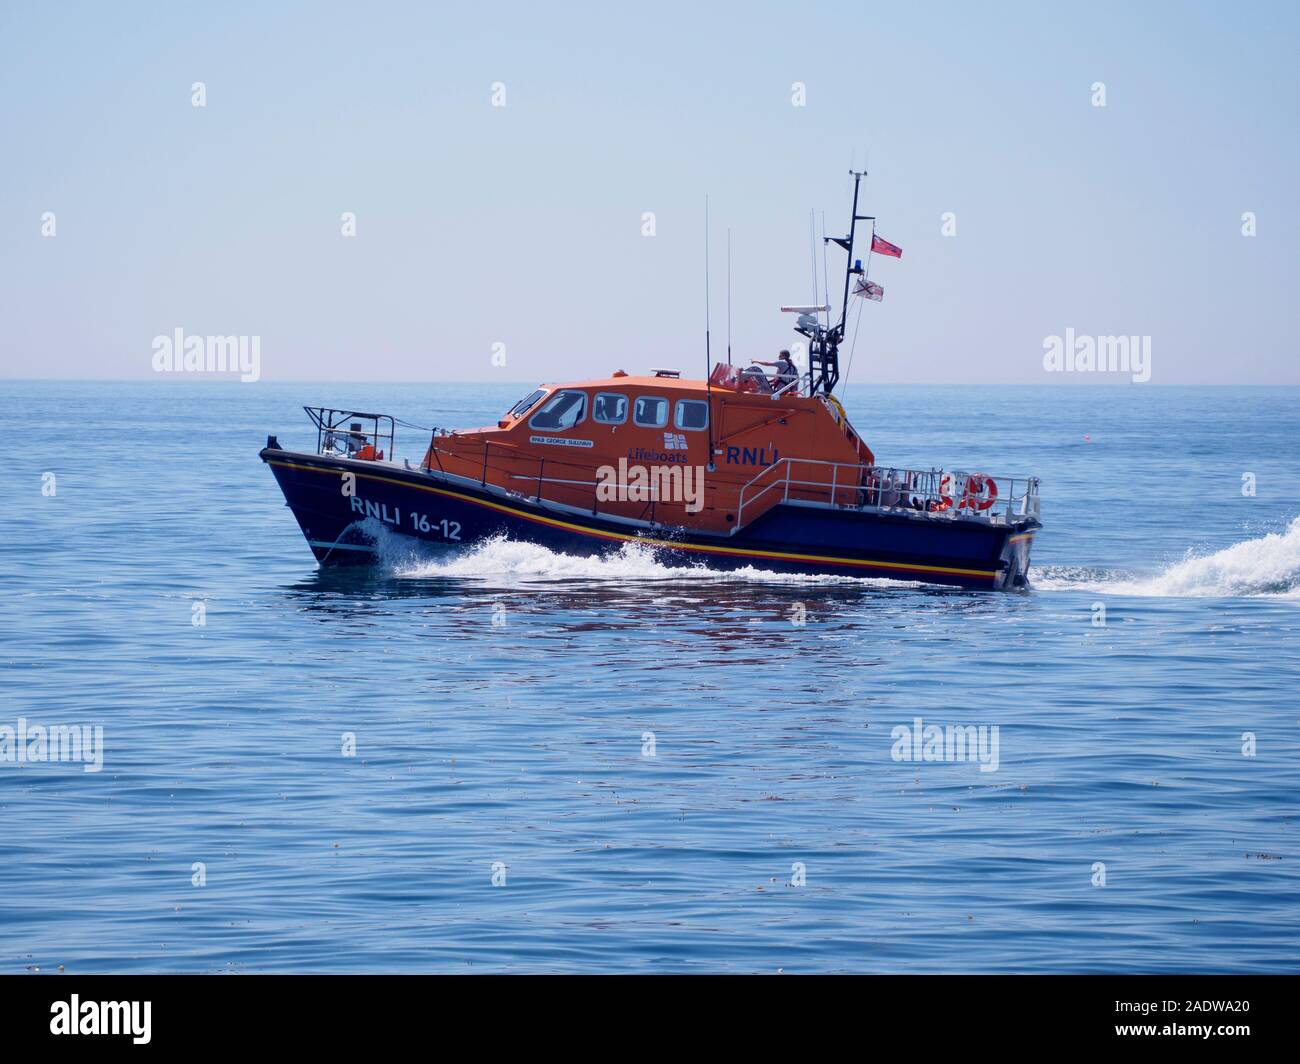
column 884, row 247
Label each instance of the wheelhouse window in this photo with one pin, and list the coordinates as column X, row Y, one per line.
column 562, row 411
column 609, row 408
column 525, row 404
column 692, row 414
column 650, row 411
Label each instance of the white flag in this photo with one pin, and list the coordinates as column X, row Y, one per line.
column 868, row 290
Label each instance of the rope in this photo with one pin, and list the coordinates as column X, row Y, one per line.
column 854, row 345
column 412, row 425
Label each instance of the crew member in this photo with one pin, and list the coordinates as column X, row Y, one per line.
column 786, row 371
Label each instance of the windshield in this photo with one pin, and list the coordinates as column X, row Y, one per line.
column 525, row 404
column 563, row 411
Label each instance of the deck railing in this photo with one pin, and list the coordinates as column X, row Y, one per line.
column 335, row 435
column 938, row 493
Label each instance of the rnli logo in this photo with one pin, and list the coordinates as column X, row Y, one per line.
column 674, row 441
column 752, row 456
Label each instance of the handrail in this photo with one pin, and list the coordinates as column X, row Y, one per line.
column 331, row 423
column 539, row 470
column 504, row 453
column 433, row 450
column 926, row 492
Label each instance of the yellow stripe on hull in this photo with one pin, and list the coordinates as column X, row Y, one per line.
column 620, row 537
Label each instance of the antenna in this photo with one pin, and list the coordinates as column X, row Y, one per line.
column 728, row 296
column 708, row 358
column 812, row 248
column 707, row 367
column 826, row 284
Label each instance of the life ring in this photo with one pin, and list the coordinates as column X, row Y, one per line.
column 947, row 488
column 980, row 493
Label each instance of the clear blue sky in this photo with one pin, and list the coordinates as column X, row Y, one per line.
column 522, row 224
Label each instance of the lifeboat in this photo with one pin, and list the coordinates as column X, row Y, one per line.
column 740, row 469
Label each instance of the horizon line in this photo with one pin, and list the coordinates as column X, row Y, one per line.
column 163, row 380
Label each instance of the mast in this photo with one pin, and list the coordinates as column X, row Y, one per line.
column 824, row 339
column 850, row 268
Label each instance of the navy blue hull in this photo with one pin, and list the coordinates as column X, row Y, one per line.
column 788, row 538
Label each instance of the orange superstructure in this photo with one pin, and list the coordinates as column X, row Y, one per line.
column 565, row 441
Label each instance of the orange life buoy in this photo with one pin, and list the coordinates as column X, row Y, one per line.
column 367, row 453
column 947, row 486
column 980, row 493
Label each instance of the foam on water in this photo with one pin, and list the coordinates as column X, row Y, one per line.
column 503, row 558
column 1268, row 565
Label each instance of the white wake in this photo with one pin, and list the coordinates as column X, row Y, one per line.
column 499, row 559
column 1269, row 565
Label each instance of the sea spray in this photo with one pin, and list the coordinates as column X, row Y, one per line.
column 1265, row 566
column 501, row 558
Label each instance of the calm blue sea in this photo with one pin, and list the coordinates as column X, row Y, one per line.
column 639, row 768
